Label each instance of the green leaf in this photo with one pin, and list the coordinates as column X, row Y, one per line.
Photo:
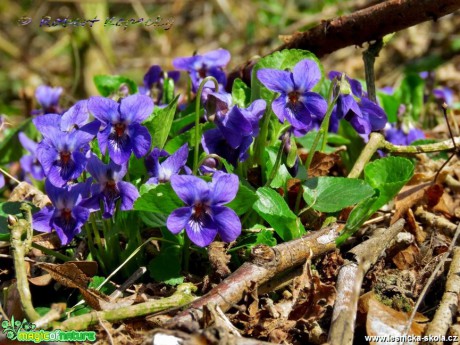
column 179, row 124
column 187, row 137
column 280, row 60
column 159, row 123
column 357, row 217
column 292, row 155
column 387, row 176
column 110, row 84
column 166, row 267
column 154, row 220
column 250, row 240
column 410, row 93
column 106, row 289
column 159, row 199
column 136, row 167
column 332, row 194
column 307, row 141
column 272, row 207
column 168, row 90
column 10, row 146
column 336, row 139
column 244, row 199
column 390, row 104
column 241, row 93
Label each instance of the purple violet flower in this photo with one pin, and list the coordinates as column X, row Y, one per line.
column 154, row 79
column 162, row 172
column 48, row 98
column 201, row 66
column 364, row 115
column 399, row 136
column 2, row 181
column 61, row 154
column 204, row 215
column 234, row 123
column 109, row 187
column 30, row 163
column 122, row 132
column 75, row 118
column 213, row 141
column 444, row 95
column 297, row 103
column 66, row 215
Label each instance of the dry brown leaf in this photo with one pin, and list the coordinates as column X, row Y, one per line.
column 321, row 163
column 68, row 274
column 383, row 321
column 409, row 196
column 406, row 257
column 42, row 280
column 89, row 268
column 413, row 227
column 25, row 191
column 433, row 194
column 446, row 206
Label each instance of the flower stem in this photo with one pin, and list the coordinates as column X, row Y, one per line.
column 51, row 252
column 327, row 117
column 312, row 150
column 277, row 161
column 10, row 176
column 186, row 252
column 261, row 140
column 197, row 119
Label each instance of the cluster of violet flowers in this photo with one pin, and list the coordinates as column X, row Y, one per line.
column 64, row 157
column 79, row 182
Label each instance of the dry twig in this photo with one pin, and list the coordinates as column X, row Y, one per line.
column 349, row 283
column 449, row 303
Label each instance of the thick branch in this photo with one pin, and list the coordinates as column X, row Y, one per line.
column 365, row 25
column 265, row 264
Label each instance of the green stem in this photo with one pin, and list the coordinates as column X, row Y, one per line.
column 276, row 165
column 97, row 237
column 327, row 117
column 261, row 140
column 186, row 252
column 297, row 200
column 197, row 119
column 10, row 176
column 312, row 150
column 48, row 251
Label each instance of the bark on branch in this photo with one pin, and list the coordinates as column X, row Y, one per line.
column 362, row 26
column 265, row 264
